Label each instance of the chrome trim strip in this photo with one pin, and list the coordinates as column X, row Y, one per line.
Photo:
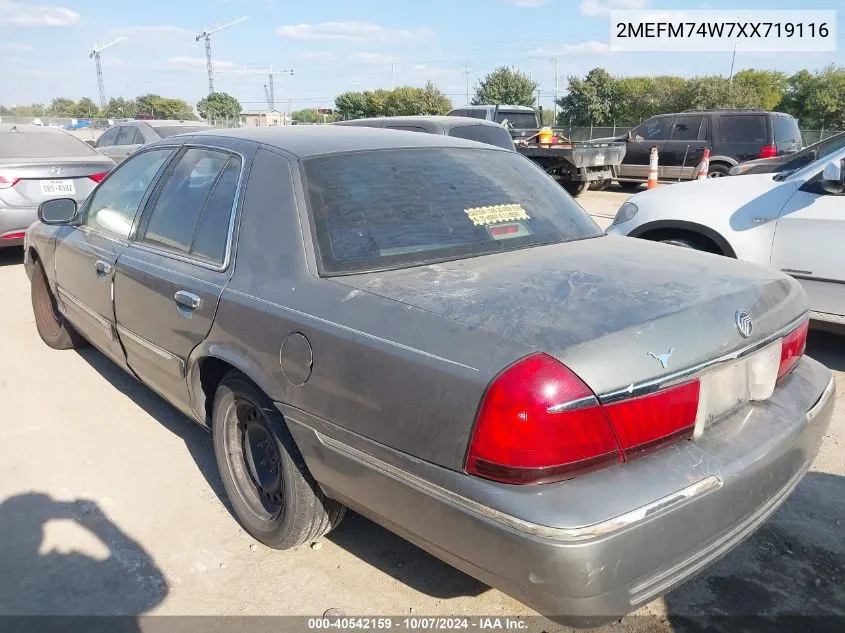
column 650, row 386
column 170, row 270
column 102, row 321
column 353, row 330
column 574, row 405
column 827, row 317
column 155, row 349
column 814, row 411
column 595, row 530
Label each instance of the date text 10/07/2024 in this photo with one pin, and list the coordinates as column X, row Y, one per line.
column 420, row 623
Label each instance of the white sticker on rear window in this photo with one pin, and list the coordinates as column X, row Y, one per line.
column 496, row 213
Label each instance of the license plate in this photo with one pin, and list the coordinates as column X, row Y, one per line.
column 57, row 187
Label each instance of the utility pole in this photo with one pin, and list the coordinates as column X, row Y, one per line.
column 206, row 34
column 733, row 59
column 557, row 85
column 95, row 53
column 467, row 70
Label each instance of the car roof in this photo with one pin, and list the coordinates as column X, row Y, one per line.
column 315, row 140
column 431, row 121
column 512, row 108
column 29, row 128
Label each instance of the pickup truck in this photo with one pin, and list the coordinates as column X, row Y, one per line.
column 575, row 165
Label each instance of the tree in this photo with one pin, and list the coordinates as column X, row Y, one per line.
column 506, row 86
column 120, row 108
column 401, row 101
column 590, row 100
column 433, row 101
column 310, row 115
column 351, row 105
column 817, row 99
column 62, row 106
column 714, row 91
column 165, row 107
column 768, row 85
column 85, row 108
column 219, row 105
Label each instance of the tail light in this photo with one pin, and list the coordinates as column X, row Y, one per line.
column 98, row 177
column 792, row 348
column 6, row 182
column 539, row 422
column 768, row 151
column 17, row 235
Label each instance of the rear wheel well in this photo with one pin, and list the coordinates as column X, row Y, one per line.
column 211, row 371
column 33, row 255
column 702, row 242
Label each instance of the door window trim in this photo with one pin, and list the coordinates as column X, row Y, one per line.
column 87, row 228
column 149, row 204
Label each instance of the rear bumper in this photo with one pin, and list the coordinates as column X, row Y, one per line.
column 585, row 573
column 15, row 220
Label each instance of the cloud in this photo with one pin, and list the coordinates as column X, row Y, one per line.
column 15, row 47
column 194, row 63
column 528, row 3
column 601, row 8
column 591, row 47
column 353, row 31
column 371, row 58
column 156, row 35
column 34, row 15
column 319, row 55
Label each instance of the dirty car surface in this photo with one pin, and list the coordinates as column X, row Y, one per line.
column 416, row 326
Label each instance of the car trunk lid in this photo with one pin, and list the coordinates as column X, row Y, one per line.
column 608, row 307
column 38, row 179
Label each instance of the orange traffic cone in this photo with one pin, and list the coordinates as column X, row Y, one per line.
column 652, row 169
column 703, row 166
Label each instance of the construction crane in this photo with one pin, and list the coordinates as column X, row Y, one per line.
column 95, row 53
column 269, row 87
column 206, row 34
column 270, row 74
column 267, row 96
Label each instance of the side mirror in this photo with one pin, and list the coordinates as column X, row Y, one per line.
column 629, row 135
column 834, row 173
column 57, row 211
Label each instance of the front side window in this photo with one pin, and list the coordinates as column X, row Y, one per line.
column 382, row 209
column 114, row 204
column 653, row 130
column 685, row 128
column 192, row 211
column 108, row 137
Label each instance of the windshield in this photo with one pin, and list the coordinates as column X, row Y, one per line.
column 381, row 209
column 43, row 145
column 518, row 120
column 810, row 170
column 171, row 130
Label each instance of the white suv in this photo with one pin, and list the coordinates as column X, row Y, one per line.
column 794, row 222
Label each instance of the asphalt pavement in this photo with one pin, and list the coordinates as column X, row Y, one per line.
column 110, row 503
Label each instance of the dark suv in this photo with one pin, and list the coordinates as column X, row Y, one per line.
column 733, row 136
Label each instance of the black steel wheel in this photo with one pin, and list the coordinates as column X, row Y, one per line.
column 273, row 494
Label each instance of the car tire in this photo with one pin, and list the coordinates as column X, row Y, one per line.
column 52, row 327
column 717, row 170
column 274, row 496
column 575, row 187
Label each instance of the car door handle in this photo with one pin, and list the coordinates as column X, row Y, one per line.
column 187, row 299
column 102, row 268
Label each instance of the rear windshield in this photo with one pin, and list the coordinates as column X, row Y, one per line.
column 518, row 120
column 742, row 129
column 42, row 145
column 787, row 134
column 490, row 134
column 171, row 130
column 384, row 209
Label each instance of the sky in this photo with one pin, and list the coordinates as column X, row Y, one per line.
column 338, row 45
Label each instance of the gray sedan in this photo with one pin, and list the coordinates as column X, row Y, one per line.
column 431, row 332
column 122, row 139
column 39, row 163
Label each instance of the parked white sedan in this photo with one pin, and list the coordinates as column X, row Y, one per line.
column 794, row 222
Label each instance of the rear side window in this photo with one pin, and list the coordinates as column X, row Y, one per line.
column 685, row 128
column 489, row 134
column 137, row 137
column 126, row 136
column 787, row 134
column 42, row 145
column 654, row 129
column 477, row 114
column 108, row 137
column 743, row 128
column 458, row 113
column 191, row 213
column 384, row 209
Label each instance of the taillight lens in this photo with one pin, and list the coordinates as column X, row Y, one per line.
column 98, row 177
column 768, row 151
column 646, row 423
column 540, row 422
column 792, row 348
column 6, row 182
